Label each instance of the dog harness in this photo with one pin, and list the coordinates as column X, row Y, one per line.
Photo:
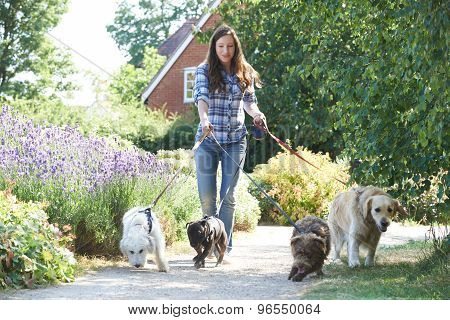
column 148, row 213
column 208, row 230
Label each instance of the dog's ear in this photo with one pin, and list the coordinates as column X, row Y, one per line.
column 294, row 240
column 322, row 244
column 367, row 207
column 122, row 246
column 400, row 209
column 188, row 224
column 203, row 222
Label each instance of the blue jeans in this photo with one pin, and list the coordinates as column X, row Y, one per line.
column 207, row 159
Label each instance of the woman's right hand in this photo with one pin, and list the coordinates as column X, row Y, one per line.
column 207, row 126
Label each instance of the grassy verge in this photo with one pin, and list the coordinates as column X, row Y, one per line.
column 405, row 272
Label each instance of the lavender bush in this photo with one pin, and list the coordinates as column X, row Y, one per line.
column 87, row 182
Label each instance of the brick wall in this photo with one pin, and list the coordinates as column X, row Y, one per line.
column 170, row 89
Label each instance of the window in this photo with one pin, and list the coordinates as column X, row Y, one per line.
column 189, row 78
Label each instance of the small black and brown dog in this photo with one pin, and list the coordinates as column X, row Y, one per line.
column 205, row 235
column 309, row 248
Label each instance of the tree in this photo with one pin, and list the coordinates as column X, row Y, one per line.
column 147, row 24
column 128, row 84
column 370, row 77
column 297, row 106
column 390, row 85
column 26, row 52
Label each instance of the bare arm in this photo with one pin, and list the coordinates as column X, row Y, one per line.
column 203, row 114
column 254, row 112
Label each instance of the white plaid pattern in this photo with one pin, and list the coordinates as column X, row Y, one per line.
column 226, row 109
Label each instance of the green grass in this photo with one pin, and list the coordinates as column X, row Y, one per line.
column 409, row 271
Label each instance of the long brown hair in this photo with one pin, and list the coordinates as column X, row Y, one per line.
column 239, row 66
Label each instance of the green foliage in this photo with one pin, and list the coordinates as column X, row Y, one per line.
column 128, row 123
column 32, row 251
column 30, row 65
column 429, row 206
column 178, row 158
column 299, row 189
column 295, row 103
column 390, row 85
column 361, row 79
column 436, row 258
column 147, row 23
column 179, row 205
column 180, row 134
column 52, row 111
column 247, row 212
column 129, row 83
column 135, row 123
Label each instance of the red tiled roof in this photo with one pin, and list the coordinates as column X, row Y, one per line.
column 172, row 42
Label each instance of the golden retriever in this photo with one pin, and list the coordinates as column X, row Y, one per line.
column 358, row 217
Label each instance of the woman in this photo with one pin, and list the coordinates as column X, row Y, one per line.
column 224, row 88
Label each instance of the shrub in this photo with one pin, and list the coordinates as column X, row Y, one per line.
column 128, row 123
column 429, row 205
column 88, row 182
column 135, row 123
column 247, row 212
column 32, row 251
column 181, row 133
column 178, row 158
column 300, row 189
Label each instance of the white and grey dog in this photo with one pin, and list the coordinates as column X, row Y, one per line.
column 142, row 235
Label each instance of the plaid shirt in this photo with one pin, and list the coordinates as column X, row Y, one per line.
column 225, row 109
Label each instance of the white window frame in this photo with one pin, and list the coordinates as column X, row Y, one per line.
column 185, row 82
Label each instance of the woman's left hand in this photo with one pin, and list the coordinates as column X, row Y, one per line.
column 259, row 120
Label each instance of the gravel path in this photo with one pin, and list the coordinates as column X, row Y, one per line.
column 258, row 270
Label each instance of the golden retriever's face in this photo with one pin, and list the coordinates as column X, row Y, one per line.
column 382, row 209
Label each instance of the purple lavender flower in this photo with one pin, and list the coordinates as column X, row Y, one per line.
column 63, row 157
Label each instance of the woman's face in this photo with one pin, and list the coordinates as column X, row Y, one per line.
column 225, row 49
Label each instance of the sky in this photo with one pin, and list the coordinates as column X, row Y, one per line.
column 83, row 28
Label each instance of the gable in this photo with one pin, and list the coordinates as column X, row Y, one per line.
column 174, row 57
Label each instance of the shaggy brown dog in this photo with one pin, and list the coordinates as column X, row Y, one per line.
column 309, row 248
column 207, row 233
column 358, row 217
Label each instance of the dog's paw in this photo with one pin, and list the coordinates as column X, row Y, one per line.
column 199, row 264
column 369, row 262
column 164, row 269
column 335, row 261
column 353, row 264
column 293, row 272
column 298, row 277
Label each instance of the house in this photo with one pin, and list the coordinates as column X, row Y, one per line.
column 173, row 85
